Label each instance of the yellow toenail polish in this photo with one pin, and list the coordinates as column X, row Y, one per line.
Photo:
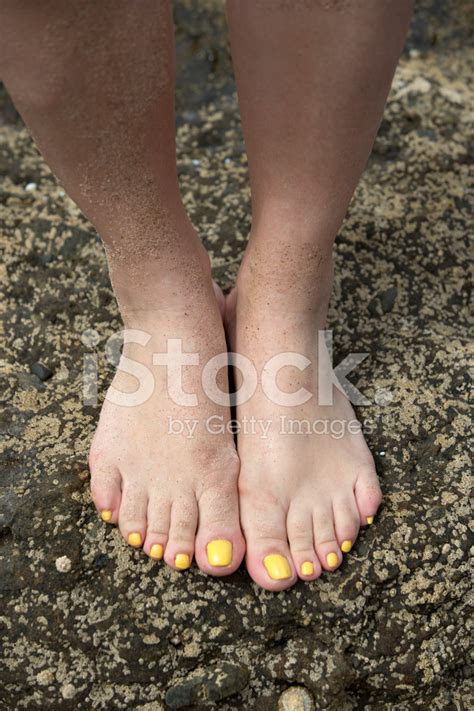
column 346, row 546
column 307, row 568
column 219, row 553
column 277, row 566
column 106, row 515
column 370, row 519
column 156, row 551
column 135, row 539
column 182, row 561
column 332, row 560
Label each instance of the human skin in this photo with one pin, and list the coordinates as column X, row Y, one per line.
column 312, row 80
column 94, row 83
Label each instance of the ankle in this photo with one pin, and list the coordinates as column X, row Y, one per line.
column 175, row 278
column 286, row 275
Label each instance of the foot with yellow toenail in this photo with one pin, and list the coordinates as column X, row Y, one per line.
column 305, row 491
column 171, row 491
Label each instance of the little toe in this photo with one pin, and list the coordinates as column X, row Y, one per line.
column 268, row 557
column 133, row 512
column 368, row 496
column 182, row 533
column 300, row 535
column 106, row 492
column 158, row 526
column 346, row 522
column 220, row 545
column 326, row 544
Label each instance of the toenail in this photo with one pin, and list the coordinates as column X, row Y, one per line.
column 370, row 519
column 156, row 551
column 307, row 568
column 277, row 566
column 135, row 539
column 219, row 553
column 332, row 560
column 346, row 546
column 106, row 515
column 182, row 561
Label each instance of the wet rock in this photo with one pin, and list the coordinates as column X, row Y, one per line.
column 8, row 505
column 41, row 371
column 388, row 299
column 208, row 687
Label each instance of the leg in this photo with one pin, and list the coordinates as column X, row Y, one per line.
column 312, row 79
column 94, row 82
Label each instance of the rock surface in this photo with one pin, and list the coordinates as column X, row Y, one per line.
column 87, row 622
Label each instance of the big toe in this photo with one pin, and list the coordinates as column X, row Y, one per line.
column 268, row 557
column 220, row 545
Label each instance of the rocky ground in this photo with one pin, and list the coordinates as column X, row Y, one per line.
column 87, row 622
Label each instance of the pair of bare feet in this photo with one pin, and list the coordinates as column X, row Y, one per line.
column 291, row 496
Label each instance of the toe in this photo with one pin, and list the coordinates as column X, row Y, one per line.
column 268, row 555
column 326, row 544
column 300, row 535
column 180, row 547
column 158, row 526
column 220, row 545
column 346, row 522
column 133, row 512
column 368, row 496
column 106, row 492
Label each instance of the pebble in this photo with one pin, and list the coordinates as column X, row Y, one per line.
column 388, row 299
column 296, row 698
column 68, row 691
column 45, row 677
column 212, row 685
column 63, row 564
column 417, row 86
column 41, row 371
column 451, row 95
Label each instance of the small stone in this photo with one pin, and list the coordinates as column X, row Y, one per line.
column 388, row 299
column 211, row 686
column 68, row 691
column 45, row 677
column 296, row 698
column 41, row 371
column 63, row 564
column 451, row 95
column 417, row 86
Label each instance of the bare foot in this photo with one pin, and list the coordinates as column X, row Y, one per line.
column 305, row 489
column 158, row 471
